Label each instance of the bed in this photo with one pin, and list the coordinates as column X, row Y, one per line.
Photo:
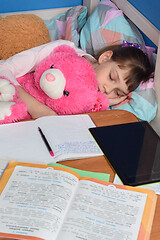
column 149, row 110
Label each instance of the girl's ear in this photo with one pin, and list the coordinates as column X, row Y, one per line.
column 105, row 56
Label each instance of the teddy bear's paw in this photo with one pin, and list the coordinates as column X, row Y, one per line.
column 13, row 111
column 7, row 90
column 5, row 109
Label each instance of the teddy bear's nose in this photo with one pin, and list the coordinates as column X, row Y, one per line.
column 50, row 77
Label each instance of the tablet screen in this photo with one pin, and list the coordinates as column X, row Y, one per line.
column 133, row 150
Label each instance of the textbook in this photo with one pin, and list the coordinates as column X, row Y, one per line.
column 55, row 203
column 68, row 137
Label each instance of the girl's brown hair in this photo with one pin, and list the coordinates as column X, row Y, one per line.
column 133, row 59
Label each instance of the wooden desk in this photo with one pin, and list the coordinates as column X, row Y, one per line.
column 100, row 164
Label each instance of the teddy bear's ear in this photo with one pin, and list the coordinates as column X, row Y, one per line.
column 65, row 48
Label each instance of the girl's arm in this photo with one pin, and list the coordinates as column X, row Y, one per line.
column 35, row 108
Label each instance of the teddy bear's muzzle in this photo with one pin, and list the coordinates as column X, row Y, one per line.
column 53, row 82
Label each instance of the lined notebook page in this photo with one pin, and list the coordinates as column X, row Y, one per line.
column 67, row 135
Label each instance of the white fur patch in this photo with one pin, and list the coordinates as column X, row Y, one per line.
column 7, row 90
column 54, row 89
column 5, row 109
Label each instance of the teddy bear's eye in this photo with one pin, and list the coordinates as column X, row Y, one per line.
column 65, row 93
column 52, row 66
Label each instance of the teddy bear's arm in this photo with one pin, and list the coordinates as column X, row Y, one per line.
column 7, row 90
column 11, row 108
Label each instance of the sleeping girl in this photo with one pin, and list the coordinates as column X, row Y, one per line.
column 119, row 70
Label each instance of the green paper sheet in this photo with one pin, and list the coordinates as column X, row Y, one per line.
column 101, row 176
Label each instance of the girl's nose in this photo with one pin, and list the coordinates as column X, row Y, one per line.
column 108, row 89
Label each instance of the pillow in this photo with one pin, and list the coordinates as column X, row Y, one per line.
column 107, row 26
column 67, row 26
column 142, row 102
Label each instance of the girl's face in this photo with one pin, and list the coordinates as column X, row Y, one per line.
column 111, row 79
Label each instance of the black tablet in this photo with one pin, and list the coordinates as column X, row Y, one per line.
column 133, row 150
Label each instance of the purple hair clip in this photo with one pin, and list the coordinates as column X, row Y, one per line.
column 127, row 44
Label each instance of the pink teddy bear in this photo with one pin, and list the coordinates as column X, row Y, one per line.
column 63, row 81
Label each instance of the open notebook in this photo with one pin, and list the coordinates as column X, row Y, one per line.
column 68, row 137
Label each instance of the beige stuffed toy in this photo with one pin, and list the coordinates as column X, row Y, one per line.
column 21, row 32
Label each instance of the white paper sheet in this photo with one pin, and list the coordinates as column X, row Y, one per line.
column 68, row 136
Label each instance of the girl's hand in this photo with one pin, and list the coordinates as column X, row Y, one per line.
column 114, row 101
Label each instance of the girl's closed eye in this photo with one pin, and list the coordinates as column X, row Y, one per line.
column 111, row 76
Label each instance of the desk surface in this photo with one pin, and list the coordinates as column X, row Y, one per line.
column 100, row 164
